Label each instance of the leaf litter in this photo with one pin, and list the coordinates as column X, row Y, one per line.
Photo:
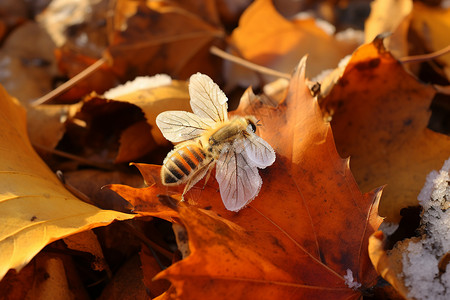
column 91, row 139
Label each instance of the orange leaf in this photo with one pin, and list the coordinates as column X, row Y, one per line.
column 380, row 119
column 308, row 226
column 266, row 38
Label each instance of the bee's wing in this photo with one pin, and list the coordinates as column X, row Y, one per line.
column 238, row 179
column 179, row 126
column 258, row 150
column 207, row 99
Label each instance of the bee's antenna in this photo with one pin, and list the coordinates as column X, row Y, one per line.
column 257, row 123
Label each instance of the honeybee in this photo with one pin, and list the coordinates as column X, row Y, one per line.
column 209, row 138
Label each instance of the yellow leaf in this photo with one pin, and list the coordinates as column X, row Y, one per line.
column 432, row 25
column 36, row 208
column 152, row 101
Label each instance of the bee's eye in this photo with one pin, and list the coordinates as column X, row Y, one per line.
column 253, row 125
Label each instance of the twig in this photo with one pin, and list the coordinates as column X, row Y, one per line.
column 71, row 82
column 76, row 192
column 79, row 159
column 424, row 57
column 258, row 68
column 150, row 244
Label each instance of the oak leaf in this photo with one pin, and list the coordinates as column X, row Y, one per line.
column 36, row 208
column 299, row 238
column 380, row 115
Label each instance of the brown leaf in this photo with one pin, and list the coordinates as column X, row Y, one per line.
column 90, row 182
column 127, row 283
column 138, row 49
column 150, row 268
column 28, row 61
column 380, row 117
column 135, row 142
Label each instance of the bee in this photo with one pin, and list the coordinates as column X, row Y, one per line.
column 208, row 138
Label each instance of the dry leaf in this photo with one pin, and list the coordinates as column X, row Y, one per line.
column 380, row 117
column 150, row 268
column 27, row 60
column 140, row 35
column 390, row 16
column 46, row 124
column 432, row 25
column 91, row 181
column 135, row 142
column 418, row 266
column 299, row 238
column 47, row 276
column 266, row 38
column 87, row 241
column 166, row 95
column 127, row 283
column 36, row 208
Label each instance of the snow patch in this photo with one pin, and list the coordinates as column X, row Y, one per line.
column 139, row 83
column 350, row 281
column 420, row 262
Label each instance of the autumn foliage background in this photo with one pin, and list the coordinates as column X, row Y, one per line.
column 345, row 92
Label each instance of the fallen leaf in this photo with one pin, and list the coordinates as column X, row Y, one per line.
column 417, row 266
column 150, row 268
column 71, row 63
column 127, row 283
column 47, row 276
column 266, row 38
column 135, row 142
column 387, row 263
column 169, row 95
column 27, row 60
column 36, row 208
column 46, row 124
column 393, row 17
column 307, row 228
column 140, row 34
column 432, row 25
column 379, row 118
column 91, row 181
column 87, row 241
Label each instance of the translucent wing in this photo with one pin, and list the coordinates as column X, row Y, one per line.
column 238, row 179
column 178, row 126
column 207, row 99
column 258, row 150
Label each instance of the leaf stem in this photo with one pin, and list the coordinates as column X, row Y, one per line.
column 79, row 159
column 149, row 243
column 424, row 57
column 71, row 82
column 245, row 63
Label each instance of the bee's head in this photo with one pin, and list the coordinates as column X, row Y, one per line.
column 252, row 121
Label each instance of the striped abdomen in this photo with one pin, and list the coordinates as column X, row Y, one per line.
column 182, row 162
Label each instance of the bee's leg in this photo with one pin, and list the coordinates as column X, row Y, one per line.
column 210, row 168
column 196, row 177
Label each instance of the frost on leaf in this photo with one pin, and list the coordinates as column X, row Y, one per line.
column 424, row 277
